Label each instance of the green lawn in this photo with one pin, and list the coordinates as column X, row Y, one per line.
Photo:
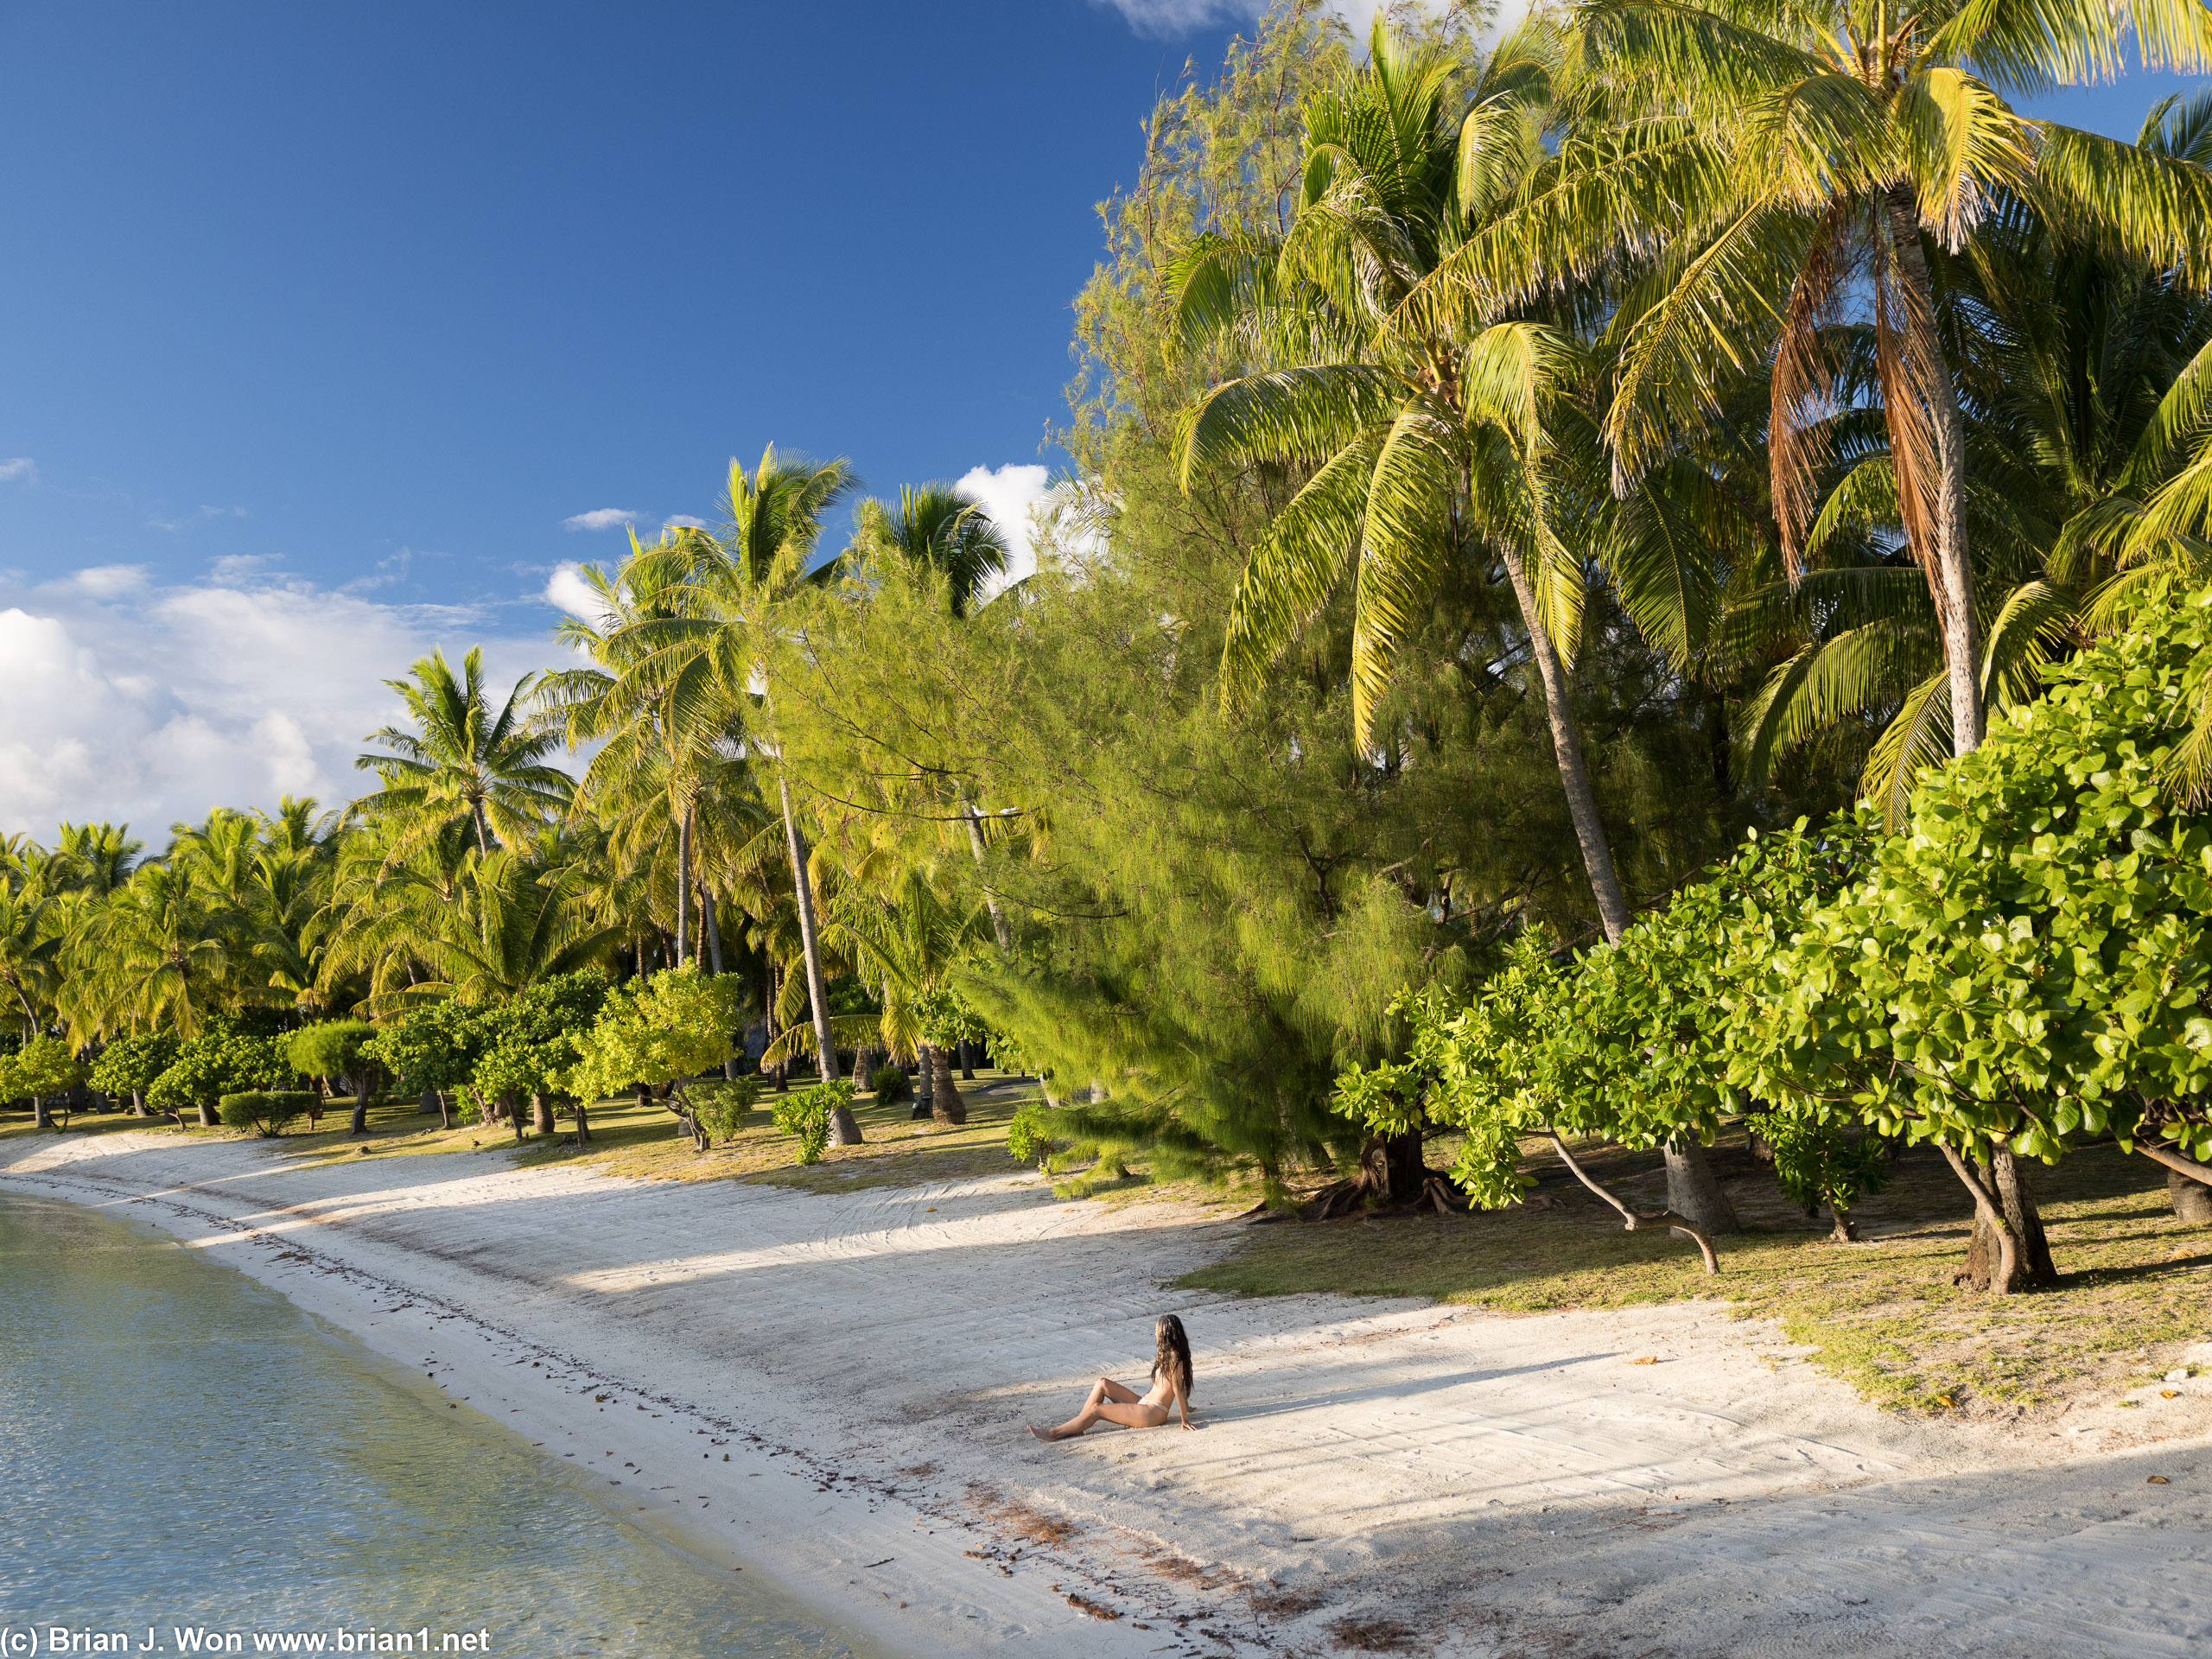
column 1884, row 1315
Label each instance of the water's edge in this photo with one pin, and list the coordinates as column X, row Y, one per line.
column 161, row 1409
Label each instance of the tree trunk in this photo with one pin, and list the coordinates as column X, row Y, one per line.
column 1573, row 770
column 945, row 1104
column 2009, row 1252
column 1693, row 1191
column 966, row 1061
column 1952, row 579
column 443, row 1097
column 1390, row 1168
column 208, row 1118
column 864, row 1067
column 41, row 1118
column 510, row 1110
column 137, row 1102
column 1000, row 930
column 360, row 1121
column 541, row 1114
column 925, row 1082
column 844, row 1131
column 583, row 1123
column 2192, row 1200
column 1842, row 1228
column 683, row 884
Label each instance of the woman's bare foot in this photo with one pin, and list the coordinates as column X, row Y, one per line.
column 1045, row 1433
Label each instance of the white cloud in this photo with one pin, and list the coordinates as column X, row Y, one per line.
column 679, row 521
column 110, row 581
column 567, row 590
column 1011, row 494
column 1163, row 18
column 125, row 700
column 21, row 466
column 600, row 519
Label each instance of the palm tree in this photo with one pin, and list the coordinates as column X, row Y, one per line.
column 156, row 953
column 2075, row 364
column 30, row 948
column 707, row 665
column 1826, row 154
column 100, row 854
column 512, row 927
column 937, row 528
column 1430, row 426
column 462, row 760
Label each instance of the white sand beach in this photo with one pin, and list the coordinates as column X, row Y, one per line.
column 830, row 1390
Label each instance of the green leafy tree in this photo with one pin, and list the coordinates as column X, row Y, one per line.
column 42, row 1070
column 128, row 1065
column 1771, row 167
column 218, row 1062
column 528, row 1047
column 936, row 529
column 2030, row 965
column 806, row 1113
column 431, row 1047
column 671, row 1028
column 338, row 1048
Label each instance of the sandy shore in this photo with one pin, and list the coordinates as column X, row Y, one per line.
column 850, row 1374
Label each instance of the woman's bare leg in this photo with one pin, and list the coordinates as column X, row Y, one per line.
column 1105, row 1396
column 1110, row 1402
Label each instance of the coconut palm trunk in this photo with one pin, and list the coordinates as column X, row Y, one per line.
column 844, row 1131
column 1574, row 769
column 1954, row 561
column 683, row 884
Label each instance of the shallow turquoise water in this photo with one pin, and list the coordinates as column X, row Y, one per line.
column 180, row 1447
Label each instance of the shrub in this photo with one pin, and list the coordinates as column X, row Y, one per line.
column 890, row 1084
column 266, row 1111
column 719, row 1105
column 805, row 1113
column 1026, row 1137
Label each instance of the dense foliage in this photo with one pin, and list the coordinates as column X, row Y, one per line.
column 1527, row 487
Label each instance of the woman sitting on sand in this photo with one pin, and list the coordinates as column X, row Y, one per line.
column 1171, row 1384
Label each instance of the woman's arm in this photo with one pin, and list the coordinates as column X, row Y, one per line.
column 1183, row 1404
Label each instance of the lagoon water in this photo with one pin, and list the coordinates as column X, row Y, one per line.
column 181, row 1447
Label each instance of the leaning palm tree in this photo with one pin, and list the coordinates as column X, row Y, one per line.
column 1767, row 169
column 707, row 666
column 2076, row 365
column 463, row 760
column 1430, row 429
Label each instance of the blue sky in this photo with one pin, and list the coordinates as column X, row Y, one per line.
column 329, row 333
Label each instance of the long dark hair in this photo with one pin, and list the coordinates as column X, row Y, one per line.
column 1174, row 1353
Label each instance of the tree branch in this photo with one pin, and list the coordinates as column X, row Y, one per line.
column 1632, row 1219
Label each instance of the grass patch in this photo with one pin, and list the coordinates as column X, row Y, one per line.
column 900, row 1150
column 1883, row 1315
